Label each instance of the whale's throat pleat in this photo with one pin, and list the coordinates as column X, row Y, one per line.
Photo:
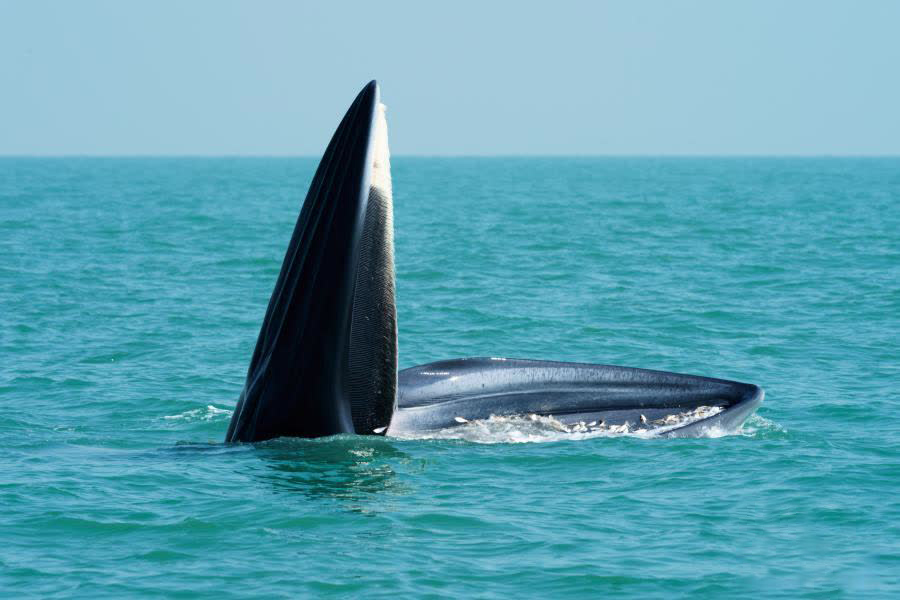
column 372, row 348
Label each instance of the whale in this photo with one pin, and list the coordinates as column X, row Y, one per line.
column 327, row 354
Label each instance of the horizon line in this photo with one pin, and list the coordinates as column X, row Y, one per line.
column 438, row 155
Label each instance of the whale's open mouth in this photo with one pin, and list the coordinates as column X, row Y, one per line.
column 326, row 361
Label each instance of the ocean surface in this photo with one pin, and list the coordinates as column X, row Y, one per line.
column 131, row 295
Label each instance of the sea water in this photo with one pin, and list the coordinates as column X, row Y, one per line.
column 132, row 291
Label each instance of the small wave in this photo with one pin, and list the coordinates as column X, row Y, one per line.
column 200, row 414
column 757, row 425
column 537, row 428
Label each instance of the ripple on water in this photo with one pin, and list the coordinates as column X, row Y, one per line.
column 129, row 311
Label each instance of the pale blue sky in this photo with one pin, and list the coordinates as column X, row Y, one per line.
column 460, row 77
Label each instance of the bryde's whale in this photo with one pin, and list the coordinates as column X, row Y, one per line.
column 325, row 361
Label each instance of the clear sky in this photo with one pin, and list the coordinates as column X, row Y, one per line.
column 459, row 77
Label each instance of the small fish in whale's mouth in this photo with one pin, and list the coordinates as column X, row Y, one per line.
column 326, row 357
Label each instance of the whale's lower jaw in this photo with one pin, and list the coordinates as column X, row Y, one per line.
column 444, row 394
column 325, row 360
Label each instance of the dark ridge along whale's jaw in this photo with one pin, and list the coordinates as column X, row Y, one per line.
column 326, row 358
column 443, row 394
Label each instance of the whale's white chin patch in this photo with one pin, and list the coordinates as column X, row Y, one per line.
column 381, row 155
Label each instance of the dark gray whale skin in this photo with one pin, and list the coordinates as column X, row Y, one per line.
column 326, row 358
column 433, row 396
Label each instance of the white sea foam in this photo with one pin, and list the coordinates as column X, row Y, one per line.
column 538, row 428
column 757, row 425
column 200, row 414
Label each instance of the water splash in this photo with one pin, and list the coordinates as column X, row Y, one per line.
column 537, row 428
column 758, row 426
column 209, row 413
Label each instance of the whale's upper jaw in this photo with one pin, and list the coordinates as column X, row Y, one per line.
column 326, row 358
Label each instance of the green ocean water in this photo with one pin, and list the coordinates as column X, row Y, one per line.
column 132, row 291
